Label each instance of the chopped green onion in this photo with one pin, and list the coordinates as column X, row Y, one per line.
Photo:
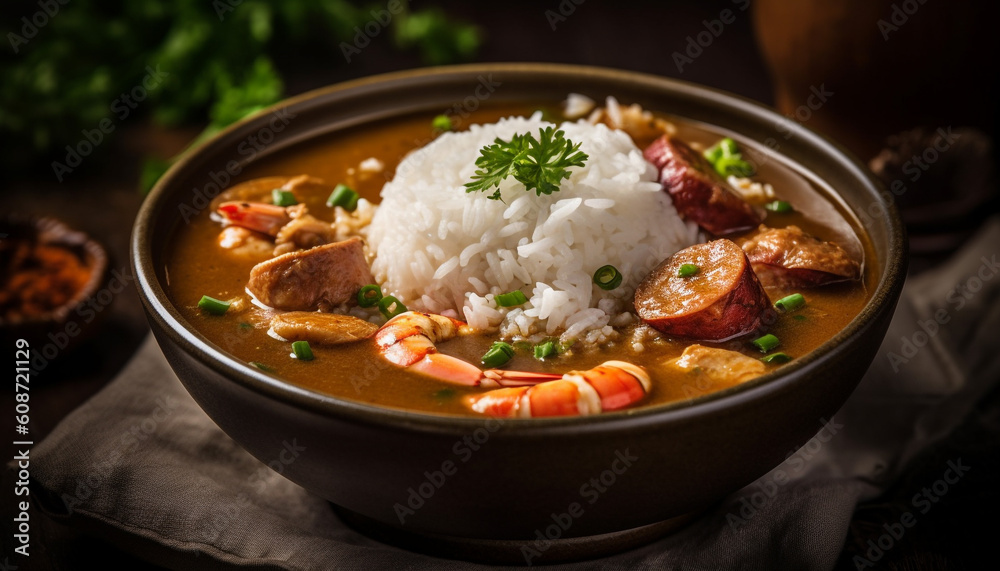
column 776, row 358
column 442, row 123
column 498, row 354
column 262, row 367
column 779, row 206
column 713, row 153
column 729, row 148
column 607, row 277
column 546, row 349
column 283, row 197
column 244, row 326
column 214, row 306
column 523, row 346
column 302, row 351
column 369, row 295
column 799, row 317
column 766, row 343
column 790, row 302
column 733, row 166
column 444, row 394
column 391, row 307
column 687, row 270
column 510, row 299
column 343, row 197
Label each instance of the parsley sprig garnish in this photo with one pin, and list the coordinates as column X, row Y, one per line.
column 540, row 164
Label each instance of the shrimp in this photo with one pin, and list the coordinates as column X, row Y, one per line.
column 258, row 216
column 408, row 340
column 613, row 385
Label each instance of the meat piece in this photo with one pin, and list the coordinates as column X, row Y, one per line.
column 788, row 257
column 321, row 328
column 720, row 366
column 319, row 278
column 641, row 125
column 246, row 244
column 259, row 189
column 698, row 192
column 724, row 299
column 303, row 233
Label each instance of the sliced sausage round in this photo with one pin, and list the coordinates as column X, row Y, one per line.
column 698, row 192
column 721, row 300
column 790, row 258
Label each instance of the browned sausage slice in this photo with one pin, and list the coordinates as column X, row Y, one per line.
column 788, row 257
column 722, row 300
column 318, row 278
column 698, row 192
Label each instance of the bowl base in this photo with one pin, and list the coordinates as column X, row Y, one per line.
column 513, row 551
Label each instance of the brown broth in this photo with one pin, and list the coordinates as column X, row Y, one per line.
column 197, row 266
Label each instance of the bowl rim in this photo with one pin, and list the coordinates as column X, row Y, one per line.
column 159, row 307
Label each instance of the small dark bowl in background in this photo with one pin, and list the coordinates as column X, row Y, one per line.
column 369, row 460
column 55, row 322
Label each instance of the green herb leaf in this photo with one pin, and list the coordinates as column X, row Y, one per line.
column 539, row 164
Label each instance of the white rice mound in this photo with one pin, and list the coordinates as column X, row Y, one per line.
column 442, row 250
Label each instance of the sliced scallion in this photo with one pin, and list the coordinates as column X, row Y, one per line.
column 727, row 166
column 790, row 302
column 607, row 277
column 369, row 295
column 779, row 206
column 799, row 317
column 511, row 298
column 766, row 343
column 687, row 270
column 391, row 307
column 497, row 355
column 344, row 197
column 546, row 349
column 776, row 358
column 283, row 197
column 442, row 123
column 262, row 366
column 302, row 351
column 214, row 306
column 728, row 147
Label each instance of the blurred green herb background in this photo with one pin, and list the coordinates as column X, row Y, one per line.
column 221, row 57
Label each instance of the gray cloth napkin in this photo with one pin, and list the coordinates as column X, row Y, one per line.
column 142, row 465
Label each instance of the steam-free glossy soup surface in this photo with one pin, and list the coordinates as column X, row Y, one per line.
column 196, row 266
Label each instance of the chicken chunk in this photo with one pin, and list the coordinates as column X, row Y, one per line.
column 721, row 366
column 321, row 328
column 319, row 278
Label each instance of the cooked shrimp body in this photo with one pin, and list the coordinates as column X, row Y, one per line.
column 261, row 217
column 613, row 385
column 409, row 340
